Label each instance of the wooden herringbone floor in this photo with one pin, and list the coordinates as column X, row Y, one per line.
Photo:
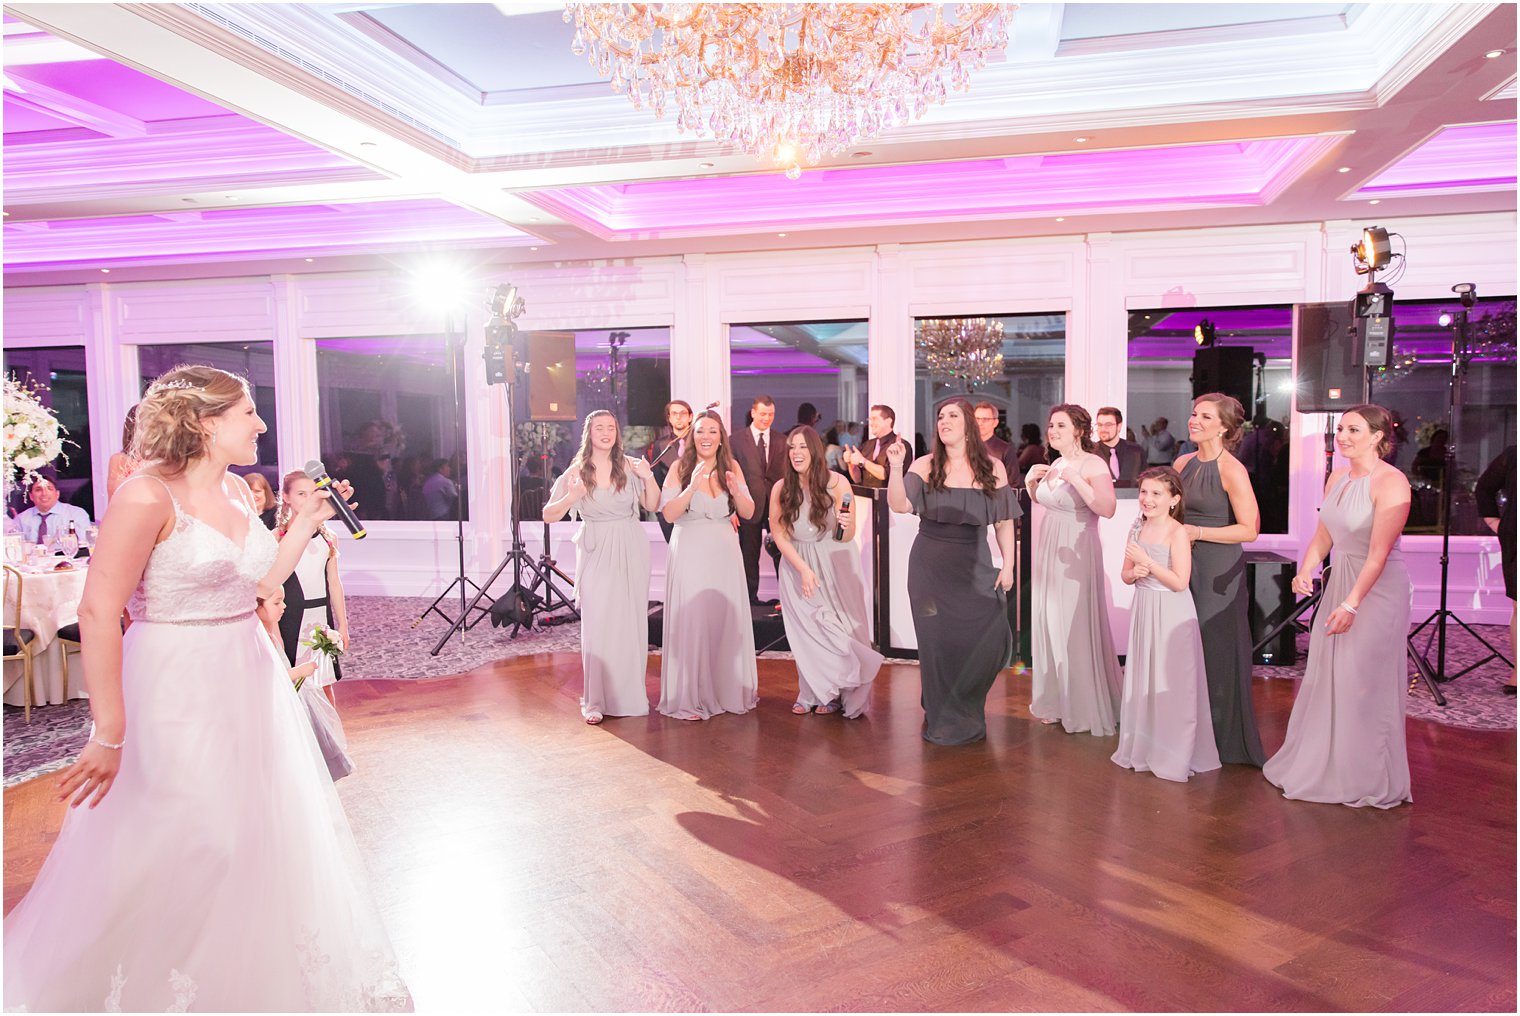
column 771, row 862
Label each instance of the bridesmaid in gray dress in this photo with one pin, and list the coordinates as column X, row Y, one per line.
column 1222, row 515
column 1345, row 742
column 1164, row 724
column 823, row 600
column 959, row 612
column 611, row 566
column 708, row 664
column 1076, row 680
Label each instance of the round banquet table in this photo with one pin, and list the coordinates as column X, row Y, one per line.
column 49, row 601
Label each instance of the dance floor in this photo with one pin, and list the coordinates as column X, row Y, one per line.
column 526, row 861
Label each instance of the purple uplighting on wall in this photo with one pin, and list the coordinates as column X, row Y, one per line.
column 1187, row 176
column 1470, row 157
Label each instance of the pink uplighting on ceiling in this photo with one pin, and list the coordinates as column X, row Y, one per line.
column 224, row 234
column 1187, row 176
column 1469, row 157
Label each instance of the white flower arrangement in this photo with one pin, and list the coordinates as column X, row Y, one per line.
column 33, row 435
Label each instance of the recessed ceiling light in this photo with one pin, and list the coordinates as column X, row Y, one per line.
column 105, row 271
column 310, row 260
column 706, row 165
column 1375, row 201
column 860, row 155
column 1080, row 140
column 369, row 144
column 781, row 234
column 534, row 218
column 1060, row 218
column 1494, row 54
column 232, row 197
column 1344, row 169
column 533, row 248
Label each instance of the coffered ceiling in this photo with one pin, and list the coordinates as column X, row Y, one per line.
column 175, row 139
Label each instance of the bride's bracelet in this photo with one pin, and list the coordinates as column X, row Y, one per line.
column 104, row 744
column 1348, row 608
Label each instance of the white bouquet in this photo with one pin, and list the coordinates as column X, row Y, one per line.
column 33, row 435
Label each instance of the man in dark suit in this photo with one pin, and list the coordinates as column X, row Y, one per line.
column 868, row 463
column 665, row 450
column 1126, row 459
column 761, row 455
column 986, row 423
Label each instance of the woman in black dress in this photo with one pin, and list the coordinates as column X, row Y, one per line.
column 1221, row 515
column 959, row 612
column 1497, row 479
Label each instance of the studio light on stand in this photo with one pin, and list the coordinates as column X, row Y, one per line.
column 1434, row 674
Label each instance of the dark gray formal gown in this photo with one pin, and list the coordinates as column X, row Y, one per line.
column 1345, row 742
column 827, row 632
column 958, row 613
column 1218, row 585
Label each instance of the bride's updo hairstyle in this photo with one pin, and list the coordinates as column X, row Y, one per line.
column 169, row 417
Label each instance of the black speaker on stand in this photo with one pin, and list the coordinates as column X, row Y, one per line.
column 1327, row 358
column 1228, row 370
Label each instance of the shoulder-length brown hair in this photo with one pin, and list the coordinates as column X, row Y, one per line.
column 1081, row 422
column 815, row 481
column 723, row 461
column 976, row 451
column 582, row 459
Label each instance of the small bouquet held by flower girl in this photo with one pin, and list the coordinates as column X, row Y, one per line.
column 325, row 646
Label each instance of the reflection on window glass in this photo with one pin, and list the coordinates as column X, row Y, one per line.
column 1165, row 358
column 251, row 360
column 815, row 372
column 1416, row 388
column 625, row 371
column 60, row 370
column 389, row 425
column 960, row 356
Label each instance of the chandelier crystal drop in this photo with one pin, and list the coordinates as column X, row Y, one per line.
column 795, row 83
column 961, row 349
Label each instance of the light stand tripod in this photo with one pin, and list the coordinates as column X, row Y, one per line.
column 1436, row 675
column 463, row 582
column 1310, row 602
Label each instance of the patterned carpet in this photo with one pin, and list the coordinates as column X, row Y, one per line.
column 388, row 648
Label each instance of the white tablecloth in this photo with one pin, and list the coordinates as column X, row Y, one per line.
column 49, row 600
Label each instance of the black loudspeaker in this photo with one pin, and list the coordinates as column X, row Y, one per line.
column 648, row 390
column 1224, row 369
column 1326, row 358
column 551, row 376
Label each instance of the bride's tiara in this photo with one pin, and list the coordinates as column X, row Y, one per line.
column 177, row 383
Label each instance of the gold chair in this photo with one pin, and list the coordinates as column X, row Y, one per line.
column 68, row 641
column 20, row 642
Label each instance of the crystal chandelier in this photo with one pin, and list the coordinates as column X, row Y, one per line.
column 961, row 349
column 796, row 83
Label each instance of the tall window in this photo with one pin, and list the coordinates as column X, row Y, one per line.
column 59, row 373
column 1416, row 389
column 1166, row 362
column 389, row 424
column 1027, row 375
column 813, row 369
column 251, row 360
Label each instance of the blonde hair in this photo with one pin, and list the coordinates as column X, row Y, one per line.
column 168, row 429
column 283, row 512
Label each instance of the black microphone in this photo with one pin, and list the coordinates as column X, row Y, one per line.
column 839, row 526
column 317, row 473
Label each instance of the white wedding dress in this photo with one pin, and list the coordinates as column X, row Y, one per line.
column 219, row 874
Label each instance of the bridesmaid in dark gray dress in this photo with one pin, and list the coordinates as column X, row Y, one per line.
column 1221, row 515
column 959, row 611
column 606, row 489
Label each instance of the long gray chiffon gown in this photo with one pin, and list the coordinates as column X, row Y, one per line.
column 1345, row 742
column 612, row 594
column 827, row 632
column 1076, row 676
column 1164, row 722
column 959, row 614
column 1218, row 585
column 708, row 664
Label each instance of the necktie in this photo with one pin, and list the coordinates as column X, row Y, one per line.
column 876, row 451
column 1113, row 462
column 42, row 528
column 763, row 458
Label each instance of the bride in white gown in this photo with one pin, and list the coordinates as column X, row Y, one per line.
column 211, row 866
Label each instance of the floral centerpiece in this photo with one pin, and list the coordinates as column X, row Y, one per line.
column 33, row 435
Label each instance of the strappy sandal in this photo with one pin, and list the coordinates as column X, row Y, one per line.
column 827, row 708
column 801, row 710
column 593, row 717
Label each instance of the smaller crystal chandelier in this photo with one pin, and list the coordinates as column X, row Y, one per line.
column 969, row 350
column 793, row 82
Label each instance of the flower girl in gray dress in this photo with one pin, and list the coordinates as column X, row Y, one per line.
column 606, row 489
column 1164, row 721
column 823, row 599
column 708, row 666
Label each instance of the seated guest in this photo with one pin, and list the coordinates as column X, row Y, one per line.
column 868, row 463
column 1125, row 458
column 48, row 516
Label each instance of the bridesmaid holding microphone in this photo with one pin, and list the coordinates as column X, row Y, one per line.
column 605, row 489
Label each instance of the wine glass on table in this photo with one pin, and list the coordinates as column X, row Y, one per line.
column 69, row 544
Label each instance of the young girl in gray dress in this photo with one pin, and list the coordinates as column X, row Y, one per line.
column 708, row 666
column 823, row 598
column 606, row 488
column 1164, row 721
